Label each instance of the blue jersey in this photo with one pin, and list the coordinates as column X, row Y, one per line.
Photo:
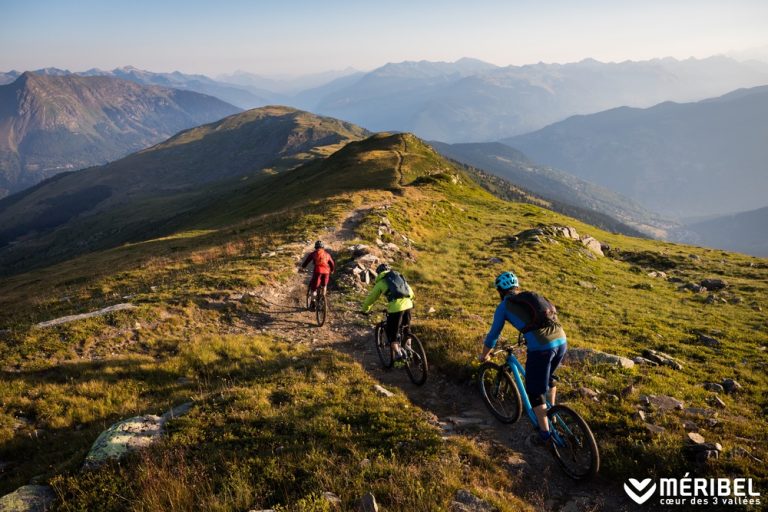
column 536, row 340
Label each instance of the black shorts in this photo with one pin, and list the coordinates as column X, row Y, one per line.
column 394, row 321
column 540, row 367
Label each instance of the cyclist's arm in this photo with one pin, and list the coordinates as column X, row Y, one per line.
column 307, row 260
column 331, row 263
column 499, row 317
column 373, row 296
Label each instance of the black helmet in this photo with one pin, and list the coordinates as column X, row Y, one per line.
column 319, row 244
column 382, row 268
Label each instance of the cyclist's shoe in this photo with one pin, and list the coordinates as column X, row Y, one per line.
column 399, row 361
column 541, row 439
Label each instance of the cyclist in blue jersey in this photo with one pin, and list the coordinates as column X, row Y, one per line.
column 545, row 339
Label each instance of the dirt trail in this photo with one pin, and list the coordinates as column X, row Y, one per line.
column 457, row 409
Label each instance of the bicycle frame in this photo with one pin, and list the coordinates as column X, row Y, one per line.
column 518, row 373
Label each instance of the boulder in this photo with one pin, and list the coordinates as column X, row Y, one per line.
column 589, row 355
column 662, row 402
column 657, row 274
column 707, row 341
column 695, row 288
column 643, row 361
column 359, row 250
column 695, row 438
column 662, row 359
column 713, row 386
column 465, row 501
column 588, row 393
column 29, row 498
column 381, row 390
column 593, row 245
column 368, row 503
column 654, row 429
column 731, row 386
column 714, row 285
column 368, row 261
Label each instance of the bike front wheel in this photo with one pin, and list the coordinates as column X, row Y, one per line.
column 383, row 348
column 500, row 392
column 573, row 444
column 415, row 360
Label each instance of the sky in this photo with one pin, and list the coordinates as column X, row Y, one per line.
column 292, row 37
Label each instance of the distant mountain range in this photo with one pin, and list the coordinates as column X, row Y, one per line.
column 680, row 160
column 745, row 232
column 53, row 123
column 102, row 206
column 558, row 187
column 473, row 101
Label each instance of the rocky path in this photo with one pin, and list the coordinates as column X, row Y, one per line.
column 457, row 409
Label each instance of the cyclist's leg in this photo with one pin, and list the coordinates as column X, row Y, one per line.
column 405, row 322
column 556, row 360
column 393, row 326
column 323, row 281
column 537, row 367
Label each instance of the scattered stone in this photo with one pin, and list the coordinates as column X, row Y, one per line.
column 465, row 501
column 368, row 503
column 717, row 402
column 628, row 391
column 332, row 499
column 391, row 247
column 643, row 361
column 712, row 299
column 381, row 390
column 72, row 318
column 495, row 261
column 731, row 386
column 581, row 355
column 700, row 412
column 662, row 359
column 695, row 288
column 589, row 393
column 695, row 438
column 464, row 422
column 707, row 341
column 713, row 386
column 657, row 274
column 654, row 429
column 714, row 285
column 690, row 426
column 587, row 284
column 178, row 411
column 662, row 402
column 431, row 310
column 639, row 415
column 29, row 498
column 359, row 250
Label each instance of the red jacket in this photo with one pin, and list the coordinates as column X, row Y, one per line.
column 323, row 261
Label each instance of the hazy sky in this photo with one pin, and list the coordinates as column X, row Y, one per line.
column 294, row 36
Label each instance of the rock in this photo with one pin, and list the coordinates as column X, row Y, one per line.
column 383, row 391
column 465, row 501
column 464, row 422
column 72, row 318
column 431, row 310
column 714, row 285
column 639, row 415
column 700, row 412
column 587, row 285
column 695, row 288
column 178, row 411
column 593, row 245
column 707, row 341
column 563, row 231
column 731, row 386
column 495, row 261
column 690, row 426
column 643, row 361
column 628, row 391
column 657, row 274
column 391, row 247
column 654, row 429
column 368, row 503
column 365, row 463
column 717, row 402
column 713, row 386
column 331, row 498
column 29, row 498
column 359, row 250
column 589, row 393
column 589, row 355
column 123, row 437
column 662, row 402
column 368, row 261
column 663, row 359
column 695, row 438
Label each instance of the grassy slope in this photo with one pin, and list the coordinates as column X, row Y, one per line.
column 52, row 379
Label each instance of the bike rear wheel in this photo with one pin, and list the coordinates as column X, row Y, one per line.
column 321, row 309
column 573, row 444
column 383, row 348
column 500, row 393
column 416, row 364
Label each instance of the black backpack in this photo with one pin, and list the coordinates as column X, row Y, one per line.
column 543, row 312
column 397, row 287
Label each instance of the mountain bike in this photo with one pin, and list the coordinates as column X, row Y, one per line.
column 573, row 444
column 318, row 304
column 416, row 365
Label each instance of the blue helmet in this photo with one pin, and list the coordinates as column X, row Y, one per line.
column 506, row 281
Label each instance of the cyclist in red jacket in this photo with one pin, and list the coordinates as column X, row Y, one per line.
column 324, row 266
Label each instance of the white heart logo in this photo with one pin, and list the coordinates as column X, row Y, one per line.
column 637, row 488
